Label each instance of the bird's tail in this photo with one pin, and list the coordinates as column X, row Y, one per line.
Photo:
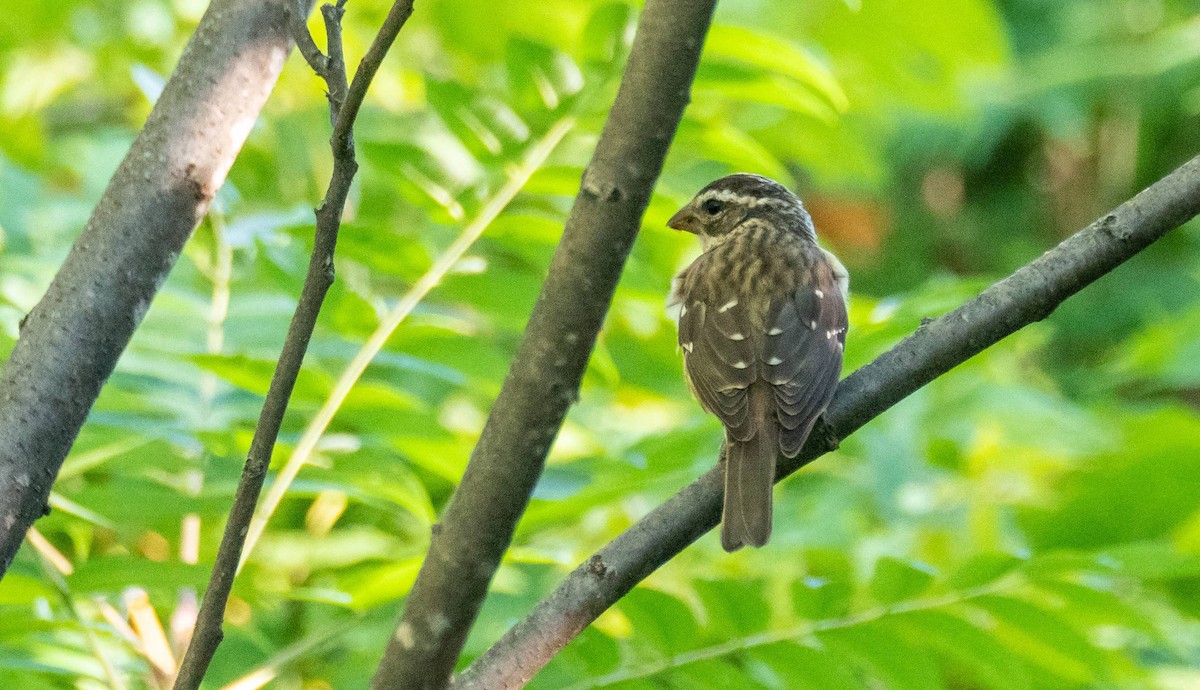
column 749, row 477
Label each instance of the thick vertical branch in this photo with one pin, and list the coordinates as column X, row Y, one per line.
column 1028, row 295
column 71, row 340
column 344, row 103
column 544, row 379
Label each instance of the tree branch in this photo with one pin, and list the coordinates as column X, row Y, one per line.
column 297, row 12
column 319, row 424
column 543, row 381
column 344, row 105
column 1028, row 295
column 335, row 62
column 71, row 340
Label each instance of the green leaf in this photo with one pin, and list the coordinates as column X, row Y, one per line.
column 772, row 55
column 1152, row 561
column 716, row 87
column 898, row 665
column 1042, row 637
column 486, row 126
column 966, row 652
column 817, row 598
column 373, row 586
column 608, row 33
column 593, row 652
column 254, row 375
column 23, row 590
column 636, row 684
column 540, row 77
column 1146, row 466
column 982, row 569
column 341, row 548
column 113, row 574
column 707, row 674
column 13, row 659
column 800, row 667
column 896, row 580
column 738, row 149
column 1092, row 606
column 660, row 621
column 734, row 607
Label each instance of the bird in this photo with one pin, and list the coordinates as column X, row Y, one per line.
column 762, row 317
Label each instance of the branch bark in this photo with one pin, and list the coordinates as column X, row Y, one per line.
column 543, row 381
column 71, row 340
column 344, row 103
column 1026, row 296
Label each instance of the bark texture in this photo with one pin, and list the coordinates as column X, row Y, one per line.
column 1026, row 296
column 71, row 340
column 345, row 99
column 544, row 379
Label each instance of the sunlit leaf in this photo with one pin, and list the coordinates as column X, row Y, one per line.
column 897, row 580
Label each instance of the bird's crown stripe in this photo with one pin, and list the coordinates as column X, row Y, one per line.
column 750, row 200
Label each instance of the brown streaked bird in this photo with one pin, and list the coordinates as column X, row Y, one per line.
column 762, row 325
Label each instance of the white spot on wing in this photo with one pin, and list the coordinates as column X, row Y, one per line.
column 688, row 347
column 819, row 294
column 737, row 336
column 740, row 365
column 728, row 305
column 812, row 325
column 775, row 331
column 774, row 360
column 404, row 635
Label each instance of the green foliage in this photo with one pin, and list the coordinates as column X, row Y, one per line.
column 1028, row 521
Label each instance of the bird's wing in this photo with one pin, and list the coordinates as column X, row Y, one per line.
column 797, row 348
column 802, row 354
column 719, row 355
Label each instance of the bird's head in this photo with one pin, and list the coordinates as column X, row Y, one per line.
column 720, row 208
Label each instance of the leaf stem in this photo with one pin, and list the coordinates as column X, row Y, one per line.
column 798, row 632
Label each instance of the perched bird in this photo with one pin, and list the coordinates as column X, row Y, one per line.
column 762, row 325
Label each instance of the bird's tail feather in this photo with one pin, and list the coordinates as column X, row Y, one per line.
column 749, row 477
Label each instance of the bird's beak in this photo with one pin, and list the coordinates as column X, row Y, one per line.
column 685, row 220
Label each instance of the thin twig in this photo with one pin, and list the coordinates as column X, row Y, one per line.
column 335, row 60
column 362, row 359
column 297, row 12
column 70, row 342
column 208, row 631
column 1028, row 295
column 543, row 381
column 394, row 21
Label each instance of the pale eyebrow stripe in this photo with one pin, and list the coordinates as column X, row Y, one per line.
column 751, row 201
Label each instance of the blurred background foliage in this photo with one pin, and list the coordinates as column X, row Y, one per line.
column 1027, row 521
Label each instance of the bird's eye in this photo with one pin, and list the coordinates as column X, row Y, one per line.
column 712, row 207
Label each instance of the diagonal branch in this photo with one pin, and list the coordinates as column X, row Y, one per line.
column 1028, row 295
column 343, row 104
column 72, row 339
column 320, row 422
column 543, row 381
